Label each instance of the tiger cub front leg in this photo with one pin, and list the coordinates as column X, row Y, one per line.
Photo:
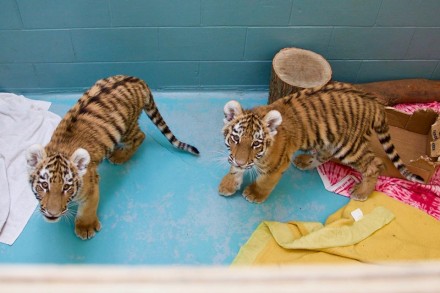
column 260, row 190
column 231, row 182
column 86, row 221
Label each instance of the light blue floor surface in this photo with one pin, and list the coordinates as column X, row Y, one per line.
column 162, row 207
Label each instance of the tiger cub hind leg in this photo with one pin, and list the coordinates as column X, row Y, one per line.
column 231, row 182
column 128, row 147
column 370, row 166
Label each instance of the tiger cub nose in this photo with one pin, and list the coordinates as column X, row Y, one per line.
column 240, row 162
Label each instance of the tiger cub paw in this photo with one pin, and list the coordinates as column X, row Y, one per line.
column 229, row 185
column 361, row 192
column 119, row 156
column 306, row 162
column 252, row 194
column 86, row 229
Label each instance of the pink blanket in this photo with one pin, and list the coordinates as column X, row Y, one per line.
column 340, row 179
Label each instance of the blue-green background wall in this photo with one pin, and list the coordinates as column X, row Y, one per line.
column 65, row 45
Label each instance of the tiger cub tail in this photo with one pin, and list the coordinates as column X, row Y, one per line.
column 385, row 139
column 331, row 86
column 153, row 113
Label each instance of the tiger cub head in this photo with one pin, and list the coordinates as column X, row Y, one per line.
column 248, row 136
column 55, row 179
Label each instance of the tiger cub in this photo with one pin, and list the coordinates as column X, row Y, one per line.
column 334, row 121
column 102, row 124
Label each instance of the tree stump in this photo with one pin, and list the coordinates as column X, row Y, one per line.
column 294, row 69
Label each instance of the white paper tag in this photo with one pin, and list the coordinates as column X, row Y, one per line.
column 357, row 214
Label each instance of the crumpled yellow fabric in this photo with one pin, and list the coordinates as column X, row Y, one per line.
column 389, row 231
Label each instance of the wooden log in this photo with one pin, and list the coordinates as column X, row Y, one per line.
column 294, row 69
column 394, row 92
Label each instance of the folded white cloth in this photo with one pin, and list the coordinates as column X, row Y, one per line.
column 23, row 122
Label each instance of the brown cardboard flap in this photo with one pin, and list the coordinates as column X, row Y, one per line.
column 412, row 138
column 421, row 167
column 397, row 118
column 435, row 130
column 424, row 167
column 409, row 145
column 434, row 150
column 419, row 122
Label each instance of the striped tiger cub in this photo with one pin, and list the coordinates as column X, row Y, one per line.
column 102, row 124
column 333, row 121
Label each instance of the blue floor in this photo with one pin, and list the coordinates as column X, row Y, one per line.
column 162, row 207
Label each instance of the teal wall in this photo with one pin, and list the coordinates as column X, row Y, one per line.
column 65, row 45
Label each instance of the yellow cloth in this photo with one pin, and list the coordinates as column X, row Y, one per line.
column 389, row 231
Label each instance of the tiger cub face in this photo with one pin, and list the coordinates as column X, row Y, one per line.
column 248, row 136
column 55, row 180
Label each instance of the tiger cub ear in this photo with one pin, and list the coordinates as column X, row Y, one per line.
column 81, row 159
column 34, row 155
column 232, row 109
column 273, row 119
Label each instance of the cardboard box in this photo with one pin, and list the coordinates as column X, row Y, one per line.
column 416, row 138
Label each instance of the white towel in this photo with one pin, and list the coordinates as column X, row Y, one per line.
column 23, row 122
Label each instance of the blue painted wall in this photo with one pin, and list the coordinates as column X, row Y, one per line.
column 65, row 45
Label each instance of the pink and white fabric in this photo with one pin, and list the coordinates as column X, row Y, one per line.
column 426, row 197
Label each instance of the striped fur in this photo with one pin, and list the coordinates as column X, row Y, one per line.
column 335, row 121
column 102, row 124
